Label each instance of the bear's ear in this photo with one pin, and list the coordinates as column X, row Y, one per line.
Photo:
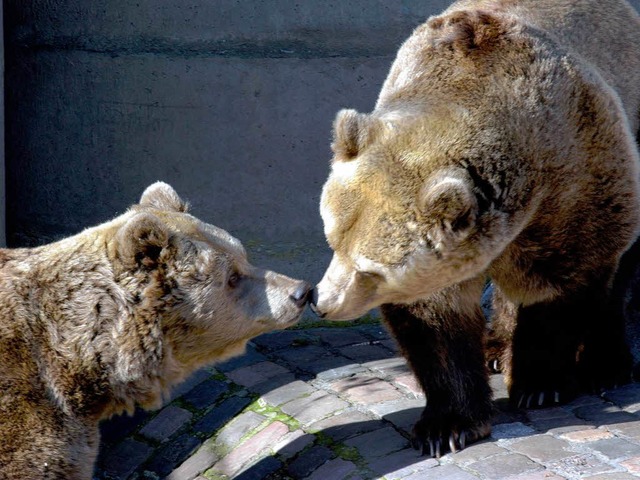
column 161, row 196
column 467, row 31
column 450, row 205
column 141, row 241
column 352, row 132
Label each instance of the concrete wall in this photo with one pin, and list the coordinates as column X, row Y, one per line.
column 229, row 101
column 3, row 237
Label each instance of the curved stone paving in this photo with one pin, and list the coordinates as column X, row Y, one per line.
column 338, row 403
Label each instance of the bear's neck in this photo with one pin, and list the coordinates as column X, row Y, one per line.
column 73, row 322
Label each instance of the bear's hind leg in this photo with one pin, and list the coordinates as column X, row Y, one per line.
column 604, row 360
column 572, row 344
column 500, row 336
column 544, row 350
column 442, row 339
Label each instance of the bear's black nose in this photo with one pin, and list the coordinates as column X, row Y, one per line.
column 313, row 301
column 313, row 297
column 301, row 294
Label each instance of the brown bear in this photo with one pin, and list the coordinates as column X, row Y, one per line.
column 114, row 317
column 502, row 146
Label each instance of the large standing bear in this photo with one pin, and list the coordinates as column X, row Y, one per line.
column 113, row 317
column 503, row 147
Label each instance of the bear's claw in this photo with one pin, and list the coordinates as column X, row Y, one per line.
column 494, row 366
column 435, row 445
column 537, row 399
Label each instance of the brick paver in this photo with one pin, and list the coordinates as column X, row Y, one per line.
column 616, row 449
column 366, row 389
column 345, row 425
column 543, row 448
column 293, row 443
column 341, row 337
column 123, row 460
column 253, row 448
column 239, row 428
column 166, row 423
column 288, row 392
column 257, row 373
column 479, row 452
column 205, row 393
column 200, row 461
column 590, row 435
column 365, row 353
column 339, row 404
column 401, row 464
column 580, row 466
column 220, row 415
column 632, row 465
column 539, row 475
column 503, row 466
column 410, row 383
column 171, row 454
column 337, row 468
column 314, row 407
column 378, row 443
column 308, row 461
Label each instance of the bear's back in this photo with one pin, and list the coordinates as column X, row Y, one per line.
column 604, row 33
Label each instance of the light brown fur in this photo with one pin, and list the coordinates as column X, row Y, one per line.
column 502, row 146
column 115, row 316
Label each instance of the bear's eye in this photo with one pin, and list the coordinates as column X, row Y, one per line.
column 234, row 279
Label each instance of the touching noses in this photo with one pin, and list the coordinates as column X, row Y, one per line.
column 301, row 294
column 313, row 302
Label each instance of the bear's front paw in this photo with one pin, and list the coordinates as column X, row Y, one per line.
column 434, row 435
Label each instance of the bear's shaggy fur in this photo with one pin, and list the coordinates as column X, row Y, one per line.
column 502, row 146
column 113, row 317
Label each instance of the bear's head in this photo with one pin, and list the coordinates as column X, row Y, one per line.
column 405, row 208
column 191, row 294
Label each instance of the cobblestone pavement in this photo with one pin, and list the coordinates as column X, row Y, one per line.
column 338, row 403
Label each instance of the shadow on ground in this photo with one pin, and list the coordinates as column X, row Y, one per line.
column 338, row 403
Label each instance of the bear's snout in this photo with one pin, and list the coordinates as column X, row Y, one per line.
column 301, row 294
column 313, row 302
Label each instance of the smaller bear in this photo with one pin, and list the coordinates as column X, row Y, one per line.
column 113, row 317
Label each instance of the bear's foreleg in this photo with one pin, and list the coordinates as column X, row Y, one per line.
column 442, row 338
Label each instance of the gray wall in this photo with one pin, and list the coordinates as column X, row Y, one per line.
column 2, row 178
column 229, row 101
